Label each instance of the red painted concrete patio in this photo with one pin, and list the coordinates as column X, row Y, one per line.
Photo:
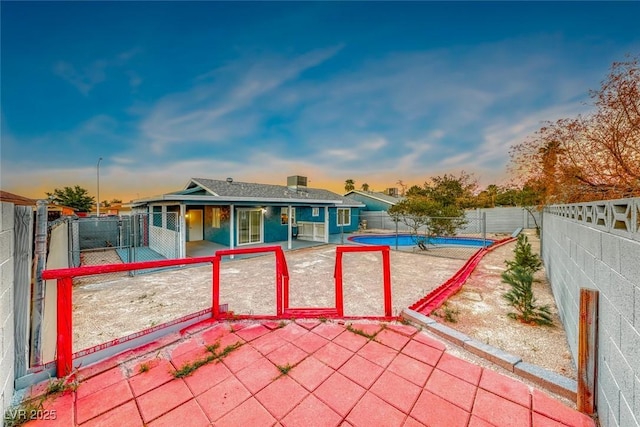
column 337, row 376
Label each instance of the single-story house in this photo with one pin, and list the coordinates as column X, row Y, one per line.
column 375, row 201
column 234, row 213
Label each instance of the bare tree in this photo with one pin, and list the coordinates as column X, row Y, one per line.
column 589, row 157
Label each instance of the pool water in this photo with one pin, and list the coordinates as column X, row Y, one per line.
column 409, row 240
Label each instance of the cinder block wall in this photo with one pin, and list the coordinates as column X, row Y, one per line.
column 6, row 305
column 597, row 246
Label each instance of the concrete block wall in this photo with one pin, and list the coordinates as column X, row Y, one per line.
column 6, row 305
column 580, row 251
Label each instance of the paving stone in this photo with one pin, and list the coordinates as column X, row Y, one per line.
column 432, row 410
column 163, row 399
column 311, row 412
column 500, row 411
column 339, row 393
column 281, row 396
column 188, row 414
column 370, row 410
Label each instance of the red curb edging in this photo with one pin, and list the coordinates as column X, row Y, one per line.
column 439, row 295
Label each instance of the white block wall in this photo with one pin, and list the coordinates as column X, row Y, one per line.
column 584, row 248
column 6, row 305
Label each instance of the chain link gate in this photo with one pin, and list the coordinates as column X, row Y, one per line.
column 124, row 239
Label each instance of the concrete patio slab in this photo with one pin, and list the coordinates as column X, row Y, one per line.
column 326, row 376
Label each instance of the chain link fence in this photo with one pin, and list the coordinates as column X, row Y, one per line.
column 458, row 237
column 124, row 239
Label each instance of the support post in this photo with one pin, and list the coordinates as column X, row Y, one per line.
column 38, row 290
column 327, row 224
column 289, row 227
column 386, row 271
column 216, row 287
column 587, row 350
column 64, row 349
column 484, row 229
column 232, row 227
column 279, row 283
column 338, row 277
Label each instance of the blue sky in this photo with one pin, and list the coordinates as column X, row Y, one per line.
column 372, row 91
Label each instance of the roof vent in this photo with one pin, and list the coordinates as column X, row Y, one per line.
column 297, row 182
column 229, row 180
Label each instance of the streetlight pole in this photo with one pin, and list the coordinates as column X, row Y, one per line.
column 98, row 204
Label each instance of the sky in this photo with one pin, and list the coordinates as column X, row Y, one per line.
column 376, row 92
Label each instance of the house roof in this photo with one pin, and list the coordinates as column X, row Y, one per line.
column 213, row 190
column 5, row 196
column 377, row 196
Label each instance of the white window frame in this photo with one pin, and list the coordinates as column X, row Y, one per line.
column 315, row 212
column 348, row 214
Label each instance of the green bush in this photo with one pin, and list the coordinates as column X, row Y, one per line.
column 524, row 257
column 522, row 299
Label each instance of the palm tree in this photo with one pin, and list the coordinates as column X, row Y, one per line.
column 365, row 187
column 349, row 185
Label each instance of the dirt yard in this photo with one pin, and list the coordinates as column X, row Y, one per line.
column 482, row 314
column 120, row 305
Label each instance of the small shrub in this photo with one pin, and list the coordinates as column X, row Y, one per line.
column 524, row 257
column 145, row 367
column 521, row 297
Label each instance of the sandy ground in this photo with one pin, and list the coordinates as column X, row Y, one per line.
column 119, row 305
column 482, row 314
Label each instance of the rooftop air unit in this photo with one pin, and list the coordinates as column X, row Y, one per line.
column 297, row 182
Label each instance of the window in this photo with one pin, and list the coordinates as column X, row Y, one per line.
column 172, row 217
column 315, row 211
column 344, row 216
column 284, row 216
column 157, row 216
column 215, row 217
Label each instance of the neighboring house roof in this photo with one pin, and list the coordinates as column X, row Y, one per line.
column 391, row 200
column 203, row 189
column 5, row 196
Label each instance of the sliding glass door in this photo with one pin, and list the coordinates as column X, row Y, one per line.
column 249, row 226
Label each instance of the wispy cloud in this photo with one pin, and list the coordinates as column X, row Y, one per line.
column 85, row 78
column 220, row 107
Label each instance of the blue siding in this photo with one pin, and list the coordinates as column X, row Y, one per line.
column 333, row 221
column 273, row 230
column 212, row 234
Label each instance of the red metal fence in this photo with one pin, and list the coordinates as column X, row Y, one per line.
column 64, row 277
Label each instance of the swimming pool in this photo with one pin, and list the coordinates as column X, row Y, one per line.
column 409, row 240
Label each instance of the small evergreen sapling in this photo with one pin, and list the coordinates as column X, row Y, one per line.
column 519, row 276
column 524, row 257
column 522, row 299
